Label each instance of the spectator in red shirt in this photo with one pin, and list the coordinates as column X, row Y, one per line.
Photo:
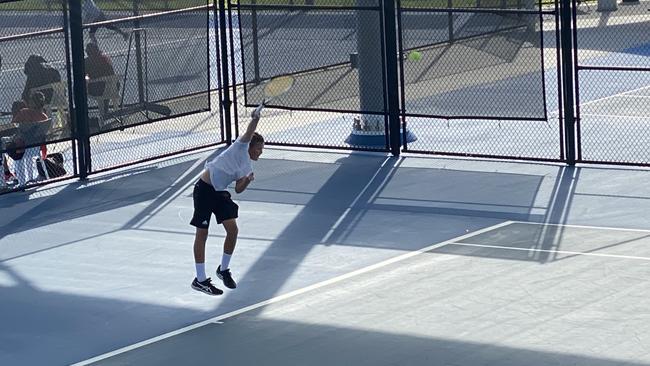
column 98, row 65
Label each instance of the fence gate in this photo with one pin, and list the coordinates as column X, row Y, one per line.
column 461, row 78
column 612, row 86
column 159, row 100
column 481, row 78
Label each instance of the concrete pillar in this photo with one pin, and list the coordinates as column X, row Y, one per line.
column 370, row 66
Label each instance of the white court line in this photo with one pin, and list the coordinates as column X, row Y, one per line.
column 615, row 95
column 288, row 295
column 583, row 226
column 605, row 98
column 638, row 96
column 353, row 205
column 552, row 251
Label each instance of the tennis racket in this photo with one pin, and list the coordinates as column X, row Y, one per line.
column 276, row 87
column 273, row 88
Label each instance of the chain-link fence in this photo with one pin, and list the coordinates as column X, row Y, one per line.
column 338, row 93
column 476, row 83
column 35, row 120
column 148, row 70
column 613, row 81
column 473, row 74
column 149, row 82
column 487, row 78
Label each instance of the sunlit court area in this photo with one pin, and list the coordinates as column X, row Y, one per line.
column 325, row 182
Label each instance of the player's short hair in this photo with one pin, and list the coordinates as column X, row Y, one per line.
column 257, row 139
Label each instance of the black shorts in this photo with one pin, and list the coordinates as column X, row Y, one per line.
column 207, row 201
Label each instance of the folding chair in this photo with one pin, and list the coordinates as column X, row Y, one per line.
column 110, row 96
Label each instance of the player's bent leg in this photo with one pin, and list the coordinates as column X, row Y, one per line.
column 201, row 221
column 231, row 235
column 200, row 238
column 223, row 272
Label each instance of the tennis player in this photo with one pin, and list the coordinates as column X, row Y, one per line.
column 211, row 196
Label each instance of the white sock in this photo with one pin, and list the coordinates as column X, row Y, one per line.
column 225, row 261
column 200, row 272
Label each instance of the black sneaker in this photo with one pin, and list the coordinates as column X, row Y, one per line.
column 226, row 277
column 206, row 286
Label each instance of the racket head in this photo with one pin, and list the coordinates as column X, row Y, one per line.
column 277, row 86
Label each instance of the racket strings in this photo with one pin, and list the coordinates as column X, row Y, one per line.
column 278, row 86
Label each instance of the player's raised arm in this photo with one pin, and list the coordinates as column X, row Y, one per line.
column 252, row 126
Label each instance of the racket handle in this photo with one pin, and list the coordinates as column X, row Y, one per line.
column 257, row 113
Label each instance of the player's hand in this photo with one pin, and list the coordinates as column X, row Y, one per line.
column 257, row 112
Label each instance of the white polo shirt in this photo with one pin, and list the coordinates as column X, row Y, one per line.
column 232, row 164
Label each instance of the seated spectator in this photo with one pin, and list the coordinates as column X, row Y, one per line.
column 33, row 113
column 39, row 75
column 98, row 65
column 15, row 108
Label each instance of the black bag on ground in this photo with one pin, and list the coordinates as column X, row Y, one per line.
column 16, row 148
column 54, row 166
